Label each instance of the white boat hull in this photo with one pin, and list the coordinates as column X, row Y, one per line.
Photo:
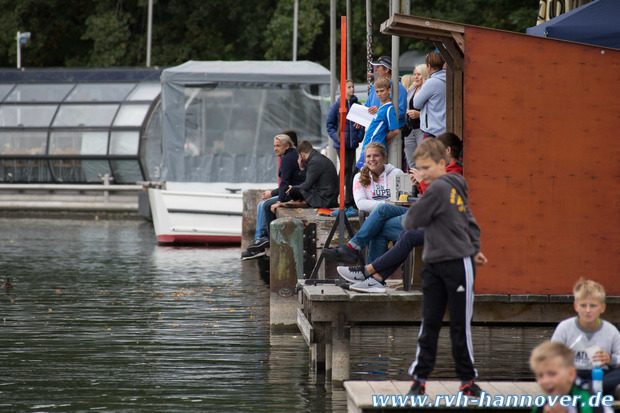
column 198, row 213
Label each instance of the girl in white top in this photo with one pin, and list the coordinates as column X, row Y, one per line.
column 371, row 186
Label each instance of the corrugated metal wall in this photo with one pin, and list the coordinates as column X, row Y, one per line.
column 542, row 158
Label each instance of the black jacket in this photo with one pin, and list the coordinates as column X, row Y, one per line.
column 320, row 189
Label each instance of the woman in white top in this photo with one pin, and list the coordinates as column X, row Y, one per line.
column 371, row 186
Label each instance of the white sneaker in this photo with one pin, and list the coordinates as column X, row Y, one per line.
column 370, row 285
column 351, row 274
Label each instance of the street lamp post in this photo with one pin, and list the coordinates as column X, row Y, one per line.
column 22, row 38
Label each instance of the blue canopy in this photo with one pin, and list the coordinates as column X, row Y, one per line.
column 596, row 23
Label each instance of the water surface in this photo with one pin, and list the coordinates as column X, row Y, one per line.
column 101, row 318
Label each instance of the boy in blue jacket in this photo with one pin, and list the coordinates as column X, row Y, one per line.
column 352, row 138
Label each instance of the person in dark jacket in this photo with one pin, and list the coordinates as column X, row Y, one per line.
column 289, row 174
column 352, row 137
column 320, row 189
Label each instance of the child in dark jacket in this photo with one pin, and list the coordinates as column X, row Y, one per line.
column 451, row 248
column 352, row 137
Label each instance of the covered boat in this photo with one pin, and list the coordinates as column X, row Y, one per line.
column 219, row 119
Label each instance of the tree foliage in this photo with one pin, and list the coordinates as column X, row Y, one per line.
column 113, row 32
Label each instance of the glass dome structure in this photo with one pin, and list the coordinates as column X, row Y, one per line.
column 77, row 125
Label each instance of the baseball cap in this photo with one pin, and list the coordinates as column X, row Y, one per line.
column 383, row 61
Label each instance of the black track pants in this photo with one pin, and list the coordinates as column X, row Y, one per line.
column 448, row 283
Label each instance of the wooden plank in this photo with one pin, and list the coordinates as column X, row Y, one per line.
column 449, row 90
column 508, row 387
column 457, row 99
column 402, row 387
column 398, row 22
column 325, row 292
column 383, row 387
column 528, row 387
column 460, row 41
column 307, row 332
column 359, row 392
column 435, row 387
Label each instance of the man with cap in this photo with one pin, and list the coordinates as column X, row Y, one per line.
column 383, row 68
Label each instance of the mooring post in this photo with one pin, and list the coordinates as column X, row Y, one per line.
column 285, row 269
column 251, row 199
column 341, row 353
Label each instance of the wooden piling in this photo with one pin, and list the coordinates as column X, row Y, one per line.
column 286, row 268
column 251, row 199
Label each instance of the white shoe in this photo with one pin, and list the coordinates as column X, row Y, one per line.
column 370, row 285
column 351, row 274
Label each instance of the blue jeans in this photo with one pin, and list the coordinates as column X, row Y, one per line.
column 382, row 225
column 264, row 216
column 389, row 262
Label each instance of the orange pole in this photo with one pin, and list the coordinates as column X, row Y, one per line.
column 343, row 106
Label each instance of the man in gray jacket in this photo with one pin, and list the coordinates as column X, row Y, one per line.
column 320, row 189
column 431, row 99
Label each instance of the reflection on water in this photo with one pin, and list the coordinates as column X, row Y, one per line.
column 101, row 318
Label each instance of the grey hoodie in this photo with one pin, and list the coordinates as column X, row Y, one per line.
column 450, row 229
column 431, row 101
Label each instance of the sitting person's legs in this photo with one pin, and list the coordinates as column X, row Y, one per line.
column 268, row 215
column 385, row 265
column 611, row 382
column 261, row 236
column 390, row 232
column 375, row 222
column 261, row 226
column 296, row 195
column 374, row 282
column 373, row 225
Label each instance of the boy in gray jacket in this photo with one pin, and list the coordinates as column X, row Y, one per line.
column 451, row 248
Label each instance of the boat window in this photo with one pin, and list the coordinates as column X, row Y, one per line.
column 96, row 92
column 85, row 115
column 39, row 93
column 24, row 170
column 229, row 129
column 79, row 143
column 23, row 143
column 146, row 91
column 131, row 115
column 124, row 142
column 94, row 169
column 67, row 170
column 126, row 171
column 26, row 115
column 4, row 89
column 66, row 125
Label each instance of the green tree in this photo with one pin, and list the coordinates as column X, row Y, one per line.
column 313, row 17
column 110, row 33
column 113, row 32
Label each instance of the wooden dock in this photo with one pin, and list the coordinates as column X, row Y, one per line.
column 360, row 395
column 328, row 312
column 389, row 395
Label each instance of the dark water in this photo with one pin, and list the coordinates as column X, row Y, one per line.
column 102, row 319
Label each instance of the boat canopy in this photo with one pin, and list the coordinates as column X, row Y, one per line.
column 220, row 117
column 596, row 23
column 76, row 125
